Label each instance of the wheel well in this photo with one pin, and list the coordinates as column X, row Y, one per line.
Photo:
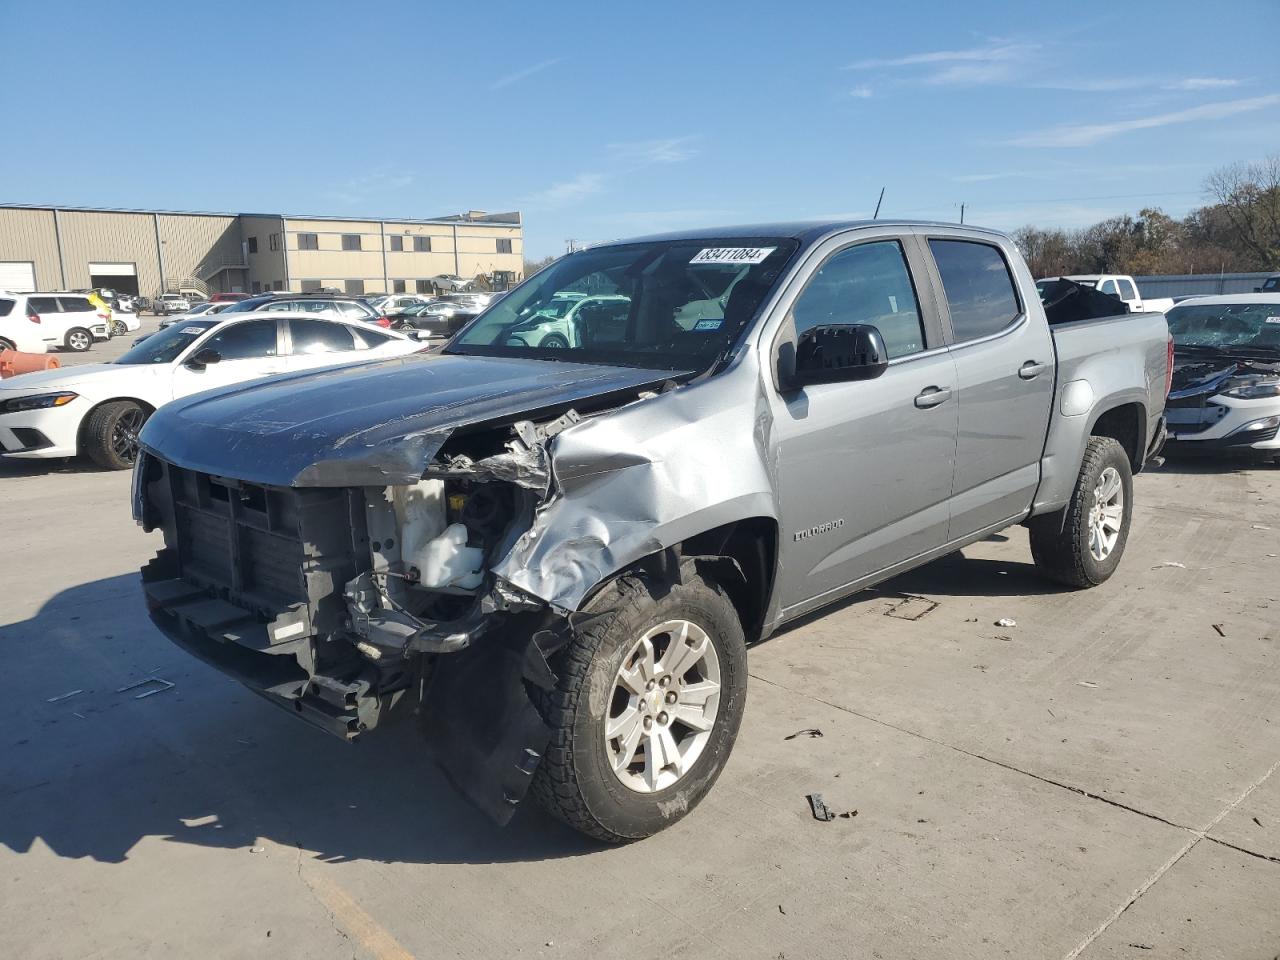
column 1125, row 424
column 84, row 421
column 739, row 556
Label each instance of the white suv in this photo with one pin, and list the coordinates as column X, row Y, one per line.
column 19, row 330
column 64, row 320
column 168, row 303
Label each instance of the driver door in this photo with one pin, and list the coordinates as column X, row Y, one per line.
column 247, row 350
column 865, row 467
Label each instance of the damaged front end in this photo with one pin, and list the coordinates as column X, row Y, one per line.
column 352, row 607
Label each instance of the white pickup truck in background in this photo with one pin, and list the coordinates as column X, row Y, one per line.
column 1120, row 286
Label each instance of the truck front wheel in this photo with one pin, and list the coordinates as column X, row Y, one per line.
column 649, row 696
column 1083, row 547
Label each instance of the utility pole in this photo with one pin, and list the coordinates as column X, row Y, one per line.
column 962, row 214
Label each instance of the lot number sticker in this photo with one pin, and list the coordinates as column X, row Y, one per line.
column 1273, row 319
column 746, row 255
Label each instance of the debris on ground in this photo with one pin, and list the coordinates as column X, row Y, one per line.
column 1005, row 637
column 1085, row 683
column 257, row 849
column 1218, row 627
column 163, row 686
column 820, row 810
column 1170, row 563
column 911, row 608
column 1257, row 821
column 63, row 696
column 1142, row 946
column 970, row 619
column 1261, row 526
column 1006, row 622
column 781, row 911
column 848, row 814
column 811, row 732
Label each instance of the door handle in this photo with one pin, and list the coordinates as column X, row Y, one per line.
column 1032, row 369
column 932, row 397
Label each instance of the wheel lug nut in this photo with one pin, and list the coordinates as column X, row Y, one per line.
column 648, row 722
column 671, row 696
column 649, row 685
column 665, row 681
column 662, row 718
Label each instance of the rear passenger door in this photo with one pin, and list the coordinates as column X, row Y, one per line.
column 1004, row 362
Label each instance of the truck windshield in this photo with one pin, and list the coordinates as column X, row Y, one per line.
column 667, row 305
column 167, row 345
column 1233, row 327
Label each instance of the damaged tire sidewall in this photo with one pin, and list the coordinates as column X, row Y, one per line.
column 621, row 811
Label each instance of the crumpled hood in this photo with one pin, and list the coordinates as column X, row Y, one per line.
column 1196, row 374
column 370, row 424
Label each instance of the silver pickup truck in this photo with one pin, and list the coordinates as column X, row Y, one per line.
column 553, row 554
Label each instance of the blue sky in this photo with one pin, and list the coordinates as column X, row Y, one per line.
column 604, row 120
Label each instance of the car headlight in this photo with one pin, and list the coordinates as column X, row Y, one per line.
column 41, row 401
column 1255, row 389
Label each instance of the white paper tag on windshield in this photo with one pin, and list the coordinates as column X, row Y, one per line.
column 746, row 255
column 1273, row 319
column 193, row 329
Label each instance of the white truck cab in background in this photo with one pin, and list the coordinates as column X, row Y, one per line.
column 1123, row 287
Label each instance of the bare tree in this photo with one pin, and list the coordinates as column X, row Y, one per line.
column 1248, row 195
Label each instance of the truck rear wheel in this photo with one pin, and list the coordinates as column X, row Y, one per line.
column 1083, row 548
column 646, row 708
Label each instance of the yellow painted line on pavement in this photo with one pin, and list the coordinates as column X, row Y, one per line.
column 353, row 918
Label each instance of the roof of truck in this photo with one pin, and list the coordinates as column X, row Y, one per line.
column 807, row 231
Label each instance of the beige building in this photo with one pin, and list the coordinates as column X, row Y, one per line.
column 151, row 252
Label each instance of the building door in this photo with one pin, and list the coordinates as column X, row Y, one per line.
column 18, row 276
column 120, row 277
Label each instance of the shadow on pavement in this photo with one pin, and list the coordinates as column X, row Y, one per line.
column 207, row 763
column 43, row 468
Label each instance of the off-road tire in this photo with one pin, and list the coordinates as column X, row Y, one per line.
column 99, row 428
column 71, row 340
column 1060, row 541
column 574, row 781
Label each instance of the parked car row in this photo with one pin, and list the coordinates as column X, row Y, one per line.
column 96, row 410
column 38, row 322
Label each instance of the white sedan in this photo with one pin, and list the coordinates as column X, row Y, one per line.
column 98, row 409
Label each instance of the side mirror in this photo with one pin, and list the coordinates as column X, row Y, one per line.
column 203, row 358
column 834, row 353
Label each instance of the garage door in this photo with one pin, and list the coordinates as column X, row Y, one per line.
column 118, row 277
column 17, row 276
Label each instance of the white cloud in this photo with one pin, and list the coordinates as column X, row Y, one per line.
column 645, row 152
column 566, row 192
column 987, row 54
column 519, row 75
column 1087, row 134
column 1202, row 83
column 862, row 92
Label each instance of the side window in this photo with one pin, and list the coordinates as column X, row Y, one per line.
column 1126, row 290
column 278, row 306
column 251, row 340
column 75, row 305
column 867, row 283
column 316, row 336
column 978, row 286
column 6, row 306
column 350, row 310
column 1109, row 286
column 44, row 304
column 367, row 338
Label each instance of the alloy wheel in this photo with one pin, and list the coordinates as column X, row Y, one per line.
column 124, row 435
column 1106, row 515
column 663, row 706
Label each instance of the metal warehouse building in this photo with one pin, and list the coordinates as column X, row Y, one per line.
column 156, row 251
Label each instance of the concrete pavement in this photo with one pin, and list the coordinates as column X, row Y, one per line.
column 1098, row 781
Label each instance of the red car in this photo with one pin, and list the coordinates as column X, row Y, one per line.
column 227, row 297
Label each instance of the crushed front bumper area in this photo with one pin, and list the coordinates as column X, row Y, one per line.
column 265, row 585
